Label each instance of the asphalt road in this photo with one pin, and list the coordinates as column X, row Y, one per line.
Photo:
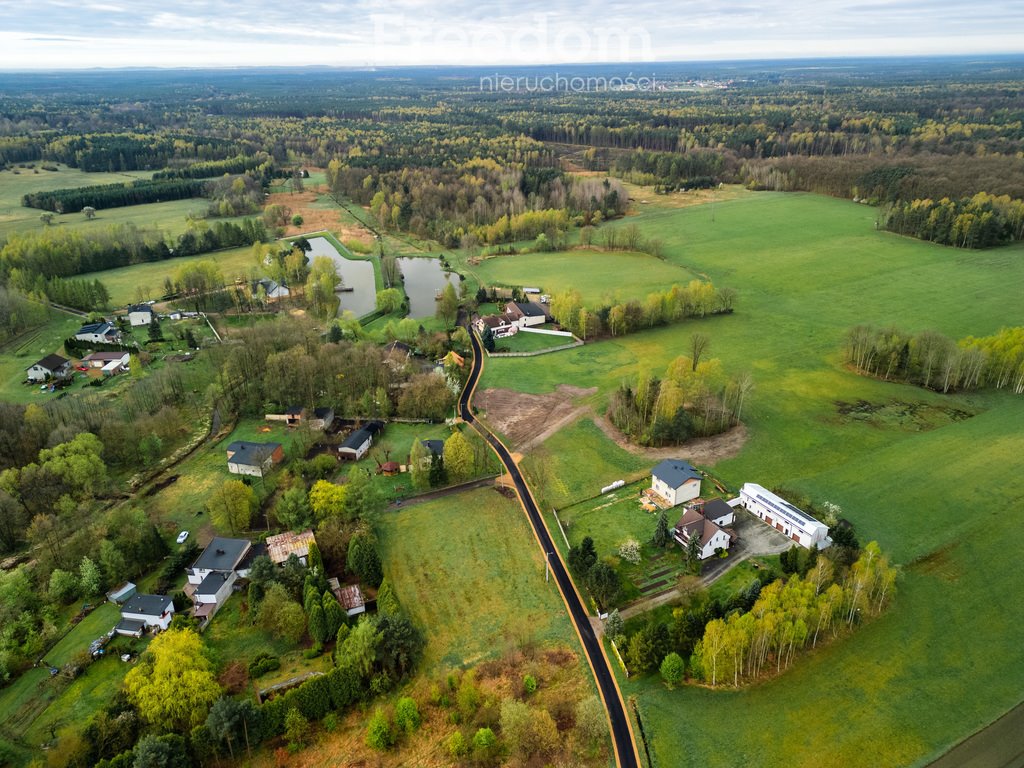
column 622, row 737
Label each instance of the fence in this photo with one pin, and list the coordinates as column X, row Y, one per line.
column 547, row 332
column 559, row 348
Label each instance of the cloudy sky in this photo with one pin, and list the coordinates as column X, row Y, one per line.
column 44, row 34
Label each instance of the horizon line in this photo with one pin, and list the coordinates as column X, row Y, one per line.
column 980, row 56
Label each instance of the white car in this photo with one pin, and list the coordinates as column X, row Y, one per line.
column 182, row 536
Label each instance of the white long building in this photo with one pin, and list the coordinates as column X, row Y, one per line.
column 784, row 517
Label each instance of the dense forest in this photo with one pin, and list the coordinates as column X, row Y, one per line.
column 112, row 195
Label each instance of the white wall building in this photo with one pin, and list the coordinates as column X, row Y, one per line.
column 675, row 481
column 784, row 517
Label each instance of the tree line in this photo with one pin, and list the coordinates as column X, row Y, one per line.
column 697, row 299
column 64, row 252
column 981, row 221
column 671, row 171
column 932, row 360
column 19, row 312
column 206, row 169
column 99, row 196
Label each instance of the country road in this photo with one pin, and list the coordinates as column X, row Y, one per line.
column 626, row 755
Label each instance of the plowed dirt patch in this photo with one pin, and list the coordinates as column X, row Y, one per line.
column 524, row 418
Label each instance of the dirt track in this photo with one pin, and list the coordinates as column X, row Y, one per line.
column 528, row 420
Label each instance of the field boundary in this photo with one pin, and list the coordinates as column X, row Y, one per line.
column 577, row 343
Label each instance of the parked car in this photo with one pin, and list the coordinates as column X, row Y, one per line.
column 81, row 367
column 182, row 537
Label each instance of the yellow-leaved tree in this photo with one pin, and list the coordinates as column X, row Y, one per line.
column 173, row 687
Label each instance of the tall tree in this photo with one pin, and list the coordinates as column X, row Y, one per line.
column 458, row 457
column 174, row 686
column 231, row 506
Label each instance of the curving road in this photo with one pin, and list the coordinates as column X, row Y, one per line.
column 626, row 755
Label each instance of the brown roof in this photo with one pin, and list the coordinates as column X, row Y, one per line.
column 350, row 596
column 108, row 356
column 494, row 321
column 283, row 545
column 693, row 522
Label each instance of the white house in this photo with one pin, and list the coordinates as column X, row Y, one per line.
column 222, row 555
column 500, row 326
column 273, row 290
column 718, row 512
column 783, row 516
column 141, row 612
column 711, row 536
column 675, row 481
column 140, row 314
column 358, row 443
column 99, row 333
column 50, row 367
column 214, row 573
column 525, row 314
column 256, row 459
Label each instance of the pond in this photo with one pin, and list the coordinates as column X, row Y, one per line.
column 357, row 275
column 424, row 280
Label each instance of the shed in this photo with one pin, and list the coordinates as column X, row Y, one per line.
column 122, row 594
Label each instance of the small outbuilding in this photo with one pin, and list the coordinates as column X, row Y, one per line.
column 284, row 545
column 356, row 445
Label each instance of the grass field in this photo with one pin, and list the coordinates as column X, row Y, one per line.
column 181, row 505
column 36, row 705
column 470, row 573
column 530, row 342
column 612, row 276
column 941, row 494
column 146, row 281
column 170, row 216
column 21, row 352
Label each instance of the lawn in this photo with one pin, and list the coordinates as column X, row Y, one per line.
column 21, row 352
column 146, row 281
column 940, row 493
column 577, row 462
column 232, row 637
column 181, row 505
column 599, row 276
column 36, row 705
column 468, row 570
column 530, row 342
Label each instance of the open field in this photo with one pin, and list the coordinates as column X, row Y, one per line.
column 530, row 342
column 940, row 492
column 146, row 281
column 598, row 276
column 469, row 572
column 169, row 216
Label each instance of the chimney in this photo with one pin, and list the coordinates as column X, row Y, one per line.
column 221, row 552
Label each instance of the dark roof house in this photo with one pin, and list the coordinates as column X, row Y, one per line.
column 436, row 447
column 222, row 554
column 147, row 605
column 675, row 472
column 251, row 454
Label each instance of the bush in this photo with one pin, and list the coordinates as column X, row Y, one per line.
column 407, row 715
column 379, row 734
column 457, row 746
column 672, row 668
column 263, row 663
column 529, row 684
column 297, row 220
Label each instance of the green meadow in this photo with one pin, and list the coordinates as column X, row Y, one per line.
column 478, row 589
column 169, row 216
column 935, row 479
column 599, row 276
column 146, row 281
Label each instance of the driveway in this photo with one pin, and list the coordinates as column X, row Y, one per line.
column 753, row 538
